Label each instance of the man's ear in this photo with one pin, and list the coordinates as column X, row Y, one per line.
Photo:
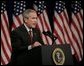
column 25, row 19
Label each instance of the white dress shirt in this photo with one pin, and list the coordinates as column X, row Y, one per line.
column 29, row 47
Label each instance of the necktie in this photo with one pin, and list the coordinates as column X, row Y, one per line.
column 30, row 32
column 31, row 35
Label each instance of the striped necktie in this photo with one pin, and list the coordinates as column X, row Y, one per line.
column 31, row 35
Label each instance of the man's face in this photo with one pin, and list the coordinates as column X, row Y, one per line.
column 32, row 20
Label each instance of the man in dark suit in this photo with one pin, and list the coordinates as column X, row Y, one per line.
column 22, row 41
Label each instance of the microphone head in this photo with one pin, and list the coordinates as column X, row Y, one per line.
column 45, row 33
column 48, row 33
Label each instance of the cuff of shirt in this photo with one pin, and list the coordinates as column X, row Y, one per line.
column 29, row 47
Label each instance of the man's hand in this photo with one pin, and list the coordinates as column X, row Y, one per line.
column 36, row 44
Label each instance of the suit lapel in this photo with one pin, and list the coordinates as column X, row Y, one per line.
column 26, row 36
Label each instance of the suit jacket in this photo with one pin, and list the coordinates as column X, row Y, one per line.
column 20, row 40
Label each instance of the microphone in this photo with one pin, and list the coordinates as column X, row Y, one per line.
column 48, row 33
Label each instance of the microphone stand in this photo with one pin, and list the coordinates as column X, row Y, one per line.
column 53, row 40
column 48, row 33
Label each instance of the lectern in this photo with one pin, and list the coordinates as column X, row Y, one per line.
column 56, row 54
column 47, row 55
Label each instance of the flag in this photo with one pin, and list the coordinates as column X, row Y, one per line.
column 43, row 21
column 18, row 8
column 5, row 36
column 61, row 25
column 77, row 27
column 62, row 28
column 58, row 23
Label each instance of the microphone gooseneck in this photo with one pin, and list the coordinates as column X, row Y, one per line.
column 48, row 33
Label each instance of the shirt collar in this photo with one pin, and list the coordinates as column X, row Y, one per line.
column 27, row 27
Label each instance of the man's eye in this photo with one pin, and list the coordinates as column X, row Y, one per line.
column 34, row 18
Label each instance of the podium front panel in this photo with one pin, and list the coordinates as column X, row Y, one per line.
column 65, row 55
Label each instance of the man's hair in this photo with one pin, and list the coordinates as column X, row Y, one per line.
column 26, row 13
